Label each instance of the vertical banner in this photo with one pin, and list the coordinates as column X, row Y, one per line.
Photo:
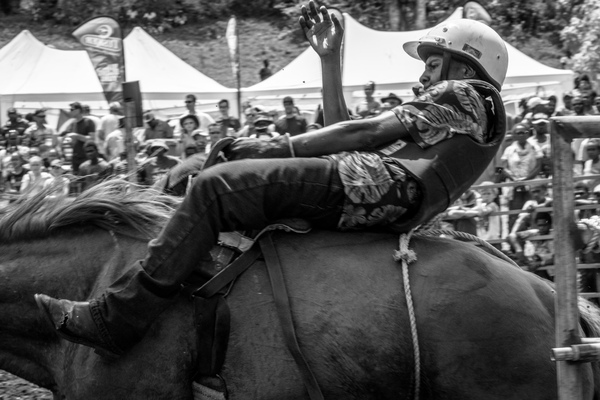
column 103, row 41
column 234, row 55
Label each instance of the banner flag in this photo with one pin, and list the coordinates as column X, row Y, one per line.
column 232, row 42
column 103, row 41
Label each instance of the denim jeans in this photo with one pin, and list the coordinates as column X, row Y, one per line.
column 239, row 195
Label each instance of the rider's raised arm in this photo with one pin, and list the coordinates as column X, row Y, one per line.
column 324, row 33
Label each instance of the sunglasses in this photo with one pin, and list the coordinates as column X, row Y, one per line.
column 188, row 101
column 56, row 167
column 41, row 116
column 521, row 133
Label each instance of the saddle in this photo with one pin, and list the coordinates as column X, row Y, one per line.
column 212, row 311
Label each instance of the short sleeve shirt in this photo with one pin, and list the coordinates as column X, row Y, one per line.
column 376, row 185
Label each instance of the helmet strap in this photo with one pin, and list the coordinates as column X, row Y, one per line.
column 446, row 65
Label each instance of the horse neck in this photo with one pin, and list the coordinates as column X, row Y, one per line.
column 74, row 266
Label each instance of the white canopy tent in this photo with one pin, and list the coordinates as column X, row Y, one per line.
column 33, row 75
column 378, row 56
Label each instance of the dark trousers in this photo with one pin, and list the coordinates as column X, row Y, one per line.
column 247, row 194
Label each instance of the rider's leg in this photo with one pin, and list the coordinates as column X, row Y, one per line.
column 239, row 195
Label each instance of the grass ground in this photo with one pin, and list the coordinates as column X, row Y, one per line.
column 203, row 46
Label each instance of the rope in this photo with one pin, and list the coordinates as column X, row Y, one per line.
column 408, row 256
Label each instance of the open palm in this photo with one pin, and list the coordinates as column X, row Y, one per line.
column 323, row 31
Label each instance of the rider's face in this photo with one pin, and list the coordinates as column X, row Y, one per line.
column 433, row 71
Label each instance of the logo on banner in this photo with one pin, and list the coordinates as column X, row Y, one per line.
column 103, row 40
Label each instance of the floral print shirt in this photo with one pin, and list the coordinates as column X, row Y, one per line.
column 379, row 191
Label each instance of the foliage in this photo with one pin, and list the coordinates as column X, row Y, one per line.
column 582, row 36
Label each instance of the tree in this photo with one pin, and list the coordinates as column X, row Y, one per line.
column 582, row 37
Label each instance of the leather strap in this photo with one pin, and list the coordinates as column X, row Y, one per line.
column 282, row 304
column 229, row 273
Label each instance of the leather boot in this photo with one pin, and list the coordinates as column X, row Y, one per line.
column 73, row 321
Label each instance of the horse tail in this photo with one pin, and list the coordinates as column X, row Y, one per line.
column 589, row 318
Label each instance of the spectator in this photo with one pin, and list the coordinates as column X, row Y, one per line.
column 59, row 183
column 537, row 109
column 592, row 165
column 33, row 181
column 157, row 164
column 157, row 129
column 95, row 169
column 567, row 108
column 521, row 160
column 201, row 139
column 489, row 226
column 88, row 114
column 13, row 175
column 542, row 249
column 15, row 122
column 118, row 166
column 214, row 135
column 463, row 213
column 583, row 198
column 108, row 124
column 291, row 122
column 390, row 101
column 41, row 135
column 369, row 106
column 248, row 128
column 190, row 126
column 79, row 131
column 263, row 127
column 204, row 119
column 541, row 138
column 551, row 107
column 265, row 71
column 114, row 142
column 229, row 125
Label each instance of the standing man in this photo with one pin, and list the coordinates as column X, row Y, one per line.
column 108, row 124
column 226, row 121
column 41, row 135
column 15, row 122
column 79, row 131
column 291, row 122
column 369, row 107
column 204, row 118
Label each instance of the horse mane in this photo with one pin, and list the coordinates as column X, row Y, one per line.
column 114, row 205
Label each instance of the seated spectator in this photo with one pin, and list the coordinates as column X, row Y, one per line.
column 214, row 135
column 95, row 169
column 190, row 125
column 390, row 102
column 543, row 249
column 526, row 219
column 118, row 166
column 59, row 183
column 462, row 214
column 114, row 141
column 583, row 198
column 489, row 226
column 157, row 129
column 263, row 127
column 33, row 181
column 13, row 175
column 158, row 163
column 201, row 140
column 591, row 166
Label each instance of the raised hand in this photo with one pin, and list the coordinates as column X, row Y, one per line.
column 323, row 31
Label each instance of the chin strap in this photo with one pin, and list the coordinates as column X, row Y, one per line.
column 446, row 66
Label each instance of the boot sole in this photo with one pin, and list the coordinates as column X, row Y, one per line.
column 101, row 351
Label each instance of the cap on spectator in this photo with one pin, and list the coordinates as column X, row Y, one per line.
column 192, row 116
column 56, row 163
column 263, row 117
column 11, row 110
column 539, row 118
column 85, row 108
column 392, row 96
column 190, row 145
column 288, row 99
column 114, row 106
column 76, row 106
column 155, row 144
column 148, row 116
column 536, row 101
column 40, row 112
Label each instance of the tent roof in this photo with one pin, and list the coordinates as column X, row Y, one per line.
column 161, row 71
column 379, row 56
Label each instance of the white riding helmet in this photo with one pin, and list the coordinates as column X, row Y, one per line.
column 470, row 41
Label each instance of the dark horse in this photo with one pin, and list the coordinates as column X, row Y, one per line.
column 485, row 327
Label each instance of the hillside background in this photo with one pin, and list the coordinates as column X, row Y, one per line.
column 268, row 29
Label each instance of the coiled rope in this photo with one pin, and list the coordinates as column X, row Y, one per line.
column 408, row 256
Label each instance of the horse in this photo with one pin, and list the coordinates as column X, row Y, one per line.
column 485, row 328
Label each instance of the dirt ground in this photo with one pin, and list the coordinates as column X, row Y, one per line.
column 14, row 388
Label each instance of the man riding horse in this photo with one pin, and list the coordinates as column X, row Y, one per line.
column 397, row 169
